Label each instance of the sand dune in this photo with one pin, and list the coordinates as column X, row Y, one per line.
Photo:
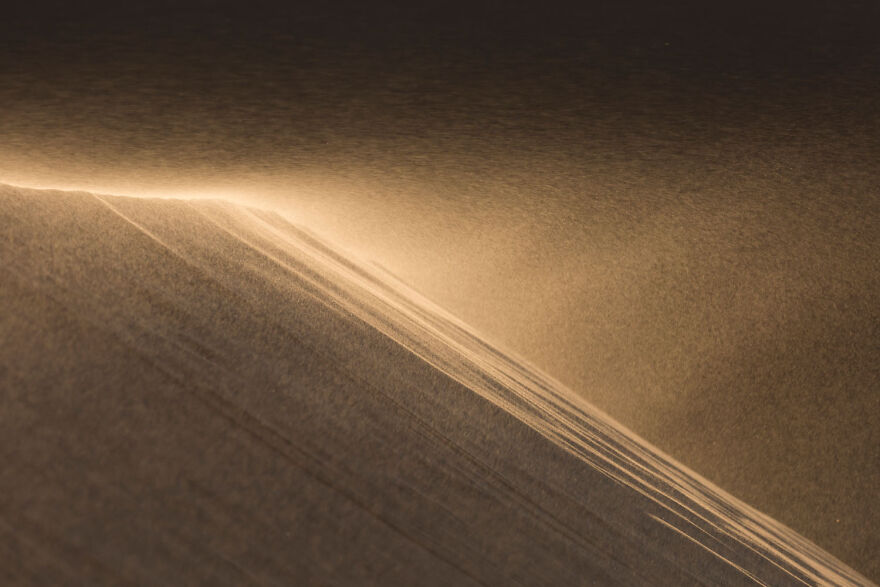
column 195, row 392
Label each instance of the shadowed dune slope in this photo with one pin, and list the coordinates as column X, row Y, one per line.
column 193, row 392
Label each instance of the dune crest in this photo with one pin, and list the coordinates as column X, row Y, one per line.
column 194, row 391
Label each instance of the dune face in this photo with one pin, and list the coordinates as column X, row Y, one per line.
column 197, row 392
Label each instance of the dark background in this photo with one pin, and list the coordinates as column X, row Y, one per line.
column 672, row 207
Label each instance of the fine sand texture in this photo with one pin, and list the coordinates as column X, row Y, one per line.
column 194, row 392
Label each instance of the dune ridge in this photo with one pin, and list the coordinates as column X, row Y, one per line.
column 202, row 391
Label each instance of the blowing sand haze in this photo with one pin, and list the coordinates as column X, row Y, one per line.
column 194, row 392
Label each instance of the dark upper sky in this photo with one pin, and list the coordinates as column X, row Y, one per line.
column 671, row 206
column 513, row 70
column 158, row 84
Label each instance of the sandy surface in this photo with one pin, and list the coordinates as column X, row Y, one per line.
column 195, row 392
column 671, row 207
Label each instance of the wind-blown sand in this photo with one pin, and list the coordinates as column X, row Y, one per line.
column 196, row 392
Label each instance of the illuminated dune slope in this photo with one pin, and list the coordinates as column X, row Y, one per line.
column 195, row 392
